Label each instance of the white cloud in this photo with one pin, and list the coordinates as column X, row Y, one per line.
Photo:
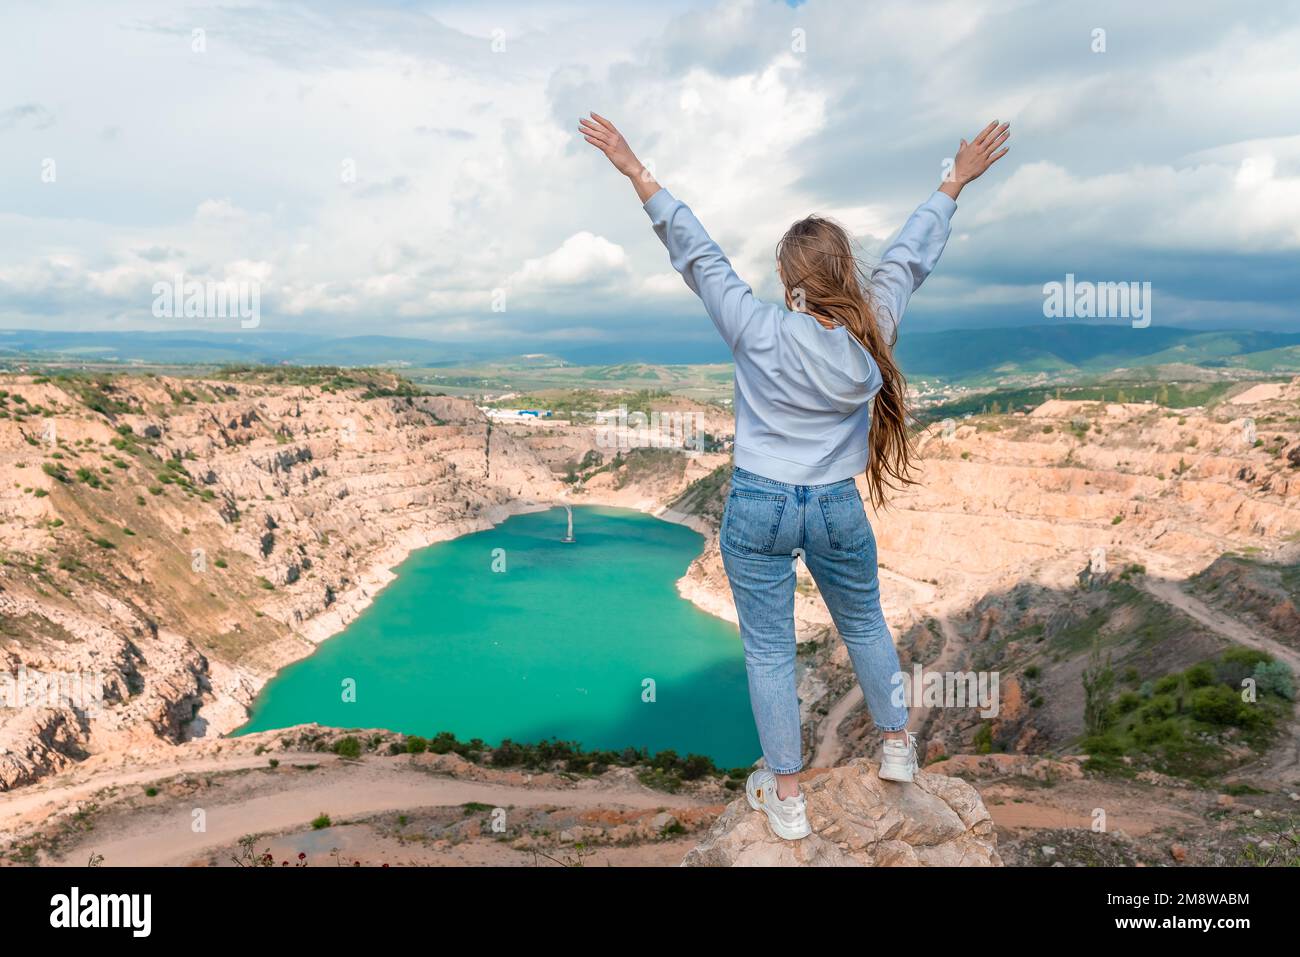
column 1222, row 207
column 583, row 258
column 469, row 175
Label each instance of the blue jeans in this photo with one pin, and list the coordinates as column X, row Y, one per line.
column 765, row 525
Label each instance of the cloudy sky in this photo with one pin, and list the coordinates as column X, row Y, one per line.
column 402, row 168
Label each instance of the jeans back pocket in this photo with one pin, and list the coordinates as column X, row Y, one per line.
column 752, row 520
column 847, row 527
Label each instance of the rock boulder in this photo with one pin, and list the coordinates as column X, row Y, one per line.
column 858, row 820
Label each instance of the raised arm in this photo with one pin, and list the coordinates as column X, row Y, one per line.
column 728, row 300
column 913, row 254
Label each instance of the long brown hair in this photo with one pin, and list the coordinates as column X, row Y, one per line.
column 823, row 278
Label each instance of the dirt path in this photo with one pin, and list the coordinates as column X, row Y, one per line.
column 1172, row 593
column 953, row 647
column 1281, row 766
column 925, row 592
column 829, row 745
column 830, row 749
column 39, row 801
column 1071, row 808
column 344, row 791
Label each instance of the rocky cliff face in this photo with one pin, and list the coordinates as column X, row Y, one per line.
column 1003, row 496
column 859, row 820
column 168, row 544
column 177, row 541
column 981, row 562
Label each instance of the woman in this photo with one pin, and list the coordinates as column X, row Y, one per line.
column 806, row 377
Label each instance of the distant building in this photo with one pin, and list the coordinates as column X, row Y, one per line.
column 515, row 415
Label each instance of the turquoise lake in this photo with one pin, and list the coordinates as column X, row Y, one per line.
column 558, row 644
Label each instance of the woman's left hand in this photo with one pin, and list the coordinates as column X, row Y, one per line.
column 974, row 158
column 603, row 135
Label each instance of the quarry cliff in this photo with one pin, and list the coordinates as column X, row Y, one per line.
column 173, row 543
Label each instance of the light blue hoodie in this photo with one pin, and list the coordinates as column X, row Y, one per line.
column 803, row 392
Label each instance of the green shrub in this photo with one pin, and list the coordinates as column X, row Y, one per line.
column 1217, row 704
column 696, row 766
column 1158, row 731
column 444, row 742
column 1102, row 744
column 1274, row 677
column 1159, row 707
column 1128, row 702
column 348, row 747
column 1168, row 684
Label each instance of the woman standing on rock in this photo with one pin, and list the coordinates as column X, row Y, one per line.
column 807, row 372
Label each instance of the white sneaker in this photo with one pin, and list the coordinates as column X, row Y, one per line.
column 788, row 818
column 899, row 760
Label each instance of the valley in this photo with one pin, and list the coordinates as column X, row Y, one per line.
column 186, row 537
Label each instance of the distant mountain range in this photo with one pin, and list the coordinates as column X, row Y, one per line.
column 198, row 346
column 976, row 353
column 955, row 354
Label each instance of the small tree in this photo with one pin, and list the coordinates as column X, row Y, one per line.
column 1098, row 691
